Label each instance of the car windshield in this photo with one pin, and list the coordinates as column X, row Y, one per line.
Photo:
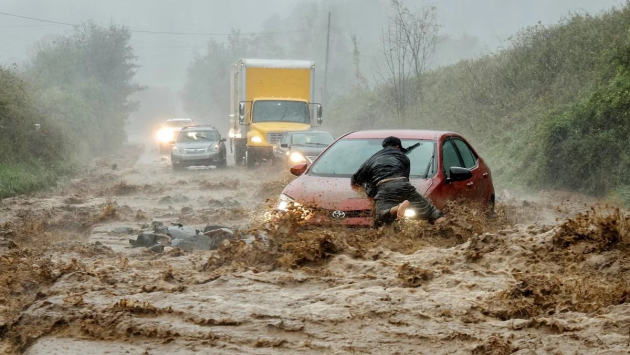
column 281, row 111
column 345, row 157
column 178, row 123
column 318, row 139
column 197, row 136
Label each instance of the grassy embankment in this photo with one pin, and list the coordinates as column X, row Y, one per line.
column 77, row 88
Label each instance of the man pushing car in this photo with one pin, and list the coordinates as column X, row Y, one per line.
column 385, row 177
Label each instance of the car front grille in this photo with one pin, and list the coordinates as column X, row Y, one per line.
column 274, row 137
column 341, row 215
column 195, row 151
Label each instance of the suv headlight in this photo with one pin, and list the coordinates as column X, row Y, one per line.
column 175, row 150
column 256, row 139
column 215, row 147
column 284, row 201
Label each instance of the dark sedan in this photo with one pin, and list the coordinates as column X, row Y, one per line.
column 301, row 146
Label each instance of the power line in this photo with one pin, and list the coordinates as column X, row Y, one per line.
column 153, row 32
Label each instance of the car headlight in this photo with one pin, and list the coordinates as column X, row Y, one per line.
column 256, row 139
column 165, row 135
column 297, row 157
column 175, row 150
column 284, row 201
column 409, row 213
column 216, row 147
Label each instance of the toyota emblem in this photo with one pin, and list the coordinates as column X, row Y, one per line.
column 338, row 215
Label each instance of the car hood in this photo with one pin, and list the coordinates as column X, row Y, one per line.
column 195, row 145
column 335, row 193
column 308, row 151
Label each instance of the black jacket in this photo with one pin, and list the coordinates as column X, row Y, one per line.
column 387, row 163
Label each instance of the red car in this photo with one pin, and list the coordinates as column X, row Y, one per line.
column 443, row 168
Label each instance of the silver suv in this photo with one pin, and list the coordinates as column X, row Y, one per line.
column 198, row 145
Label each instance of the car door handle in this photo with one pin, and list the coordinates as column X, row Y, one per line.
column 470, row 184
column 485, row 175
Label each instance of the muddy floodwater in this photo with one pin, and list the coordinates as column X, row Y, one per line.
column 548, row 275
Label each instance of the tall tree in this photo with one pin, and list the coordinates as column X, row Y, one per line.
column 95, row 68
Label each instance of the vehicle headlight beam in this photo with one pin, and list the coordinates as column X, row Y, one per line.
column 284, row 201
column 165, row 135
column 297, row 157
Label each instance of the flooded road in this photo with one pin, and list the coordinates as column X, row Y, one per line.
column 537, row 280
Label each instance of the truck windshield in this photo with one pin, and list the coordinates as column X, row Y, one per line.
column 281, row 111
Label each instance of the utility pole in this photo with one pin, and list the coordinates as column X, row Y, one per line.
column 325, row 94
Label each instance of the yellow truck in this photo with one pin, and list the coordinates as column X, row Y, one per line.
column 269, row 97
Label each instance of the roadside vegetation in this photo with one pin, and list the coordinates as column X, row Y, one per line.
column 69, row 103
column 551, row 110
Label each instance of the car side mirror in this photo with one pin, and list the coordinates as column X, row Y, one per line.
column 284, row 145
column 241, row 112
column 299, row 169
column 222, row 140
column 459, row 174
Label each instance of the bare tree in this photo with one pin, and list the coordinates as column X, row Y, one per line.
column 408, row 42
column 420, row 31
column 396, row 74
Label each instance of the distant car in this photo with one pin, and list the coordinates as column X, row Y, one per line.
column 443, row 168
column 198, row 146
column 301, row 146
column 167, row 133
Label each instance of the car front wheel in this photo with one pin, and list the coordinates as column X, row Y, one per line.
column 177, row 166
column 223, row 162
column 491, row 206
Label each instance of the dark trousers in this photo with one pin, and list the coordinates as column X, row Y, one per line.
column 392, row 193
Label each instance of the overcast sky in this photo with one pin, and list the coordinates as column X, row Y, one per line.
column 164, row 58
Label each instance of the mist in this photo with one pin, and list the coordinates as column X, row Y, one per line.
column 164, row 58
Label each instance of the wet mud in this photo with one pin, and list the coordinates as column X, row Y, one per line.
column 547, row 275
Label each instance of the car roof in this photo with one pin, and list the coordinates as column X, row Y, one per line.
column 207, row 127
column 400, row 133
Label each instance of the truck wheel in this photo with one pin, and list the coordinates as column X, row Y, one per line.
column 250, row 159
